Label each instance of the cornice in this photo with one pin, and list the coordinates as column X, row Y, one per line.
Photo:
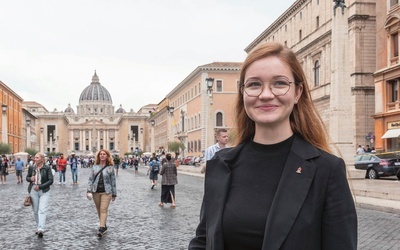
column 278, row 22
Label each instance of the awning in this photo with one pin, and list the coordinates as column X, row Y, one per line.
column 392, row 133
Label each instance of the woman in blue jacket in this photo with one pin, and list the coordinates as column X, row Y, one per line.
column 102, row 187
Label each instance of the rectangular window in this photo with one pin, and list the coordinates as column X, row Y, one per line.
column 393, row 2
column 300, row 35
column 395, row 45
column 317, row 22
column 219, row 86
column 393, row 91
column 76, row 146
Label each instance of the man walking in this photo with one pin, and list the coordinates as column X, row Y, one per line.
column 222, row 140
column 62, row 167
column 19, row 166
column 73, row 162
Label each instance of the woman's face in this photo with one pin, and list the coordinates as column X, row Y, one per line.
column 267, row 109
column 103, row 156
column 38, row 159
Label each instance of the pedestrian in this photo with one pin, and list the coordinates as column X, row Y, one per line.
column 116, row 163
column 73, row 162
column 3, row 169
column 154, row 168
column 40, row 178
column 360, row 150
column 102, row 187
column 136, row 165
column 222, row 140
column 169, row 179
column 19, row 166
column 62, row 167
column 280, row 183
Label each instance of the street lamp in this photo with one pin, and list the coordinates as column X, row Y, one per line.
column 152, row 122
column 4, row 132
column 171, row 110
column 141, row 130
column 209, row 82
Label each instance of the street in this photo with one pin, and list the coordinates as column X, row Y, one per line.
column 135, row 219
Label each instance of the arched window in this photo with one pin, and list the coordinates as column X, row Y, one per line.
column 195, row 146
column 199, row 121
column 316, row 73
column 219, row 119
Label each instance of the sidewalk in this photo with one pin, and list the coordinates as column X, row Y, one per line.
column 381, row 194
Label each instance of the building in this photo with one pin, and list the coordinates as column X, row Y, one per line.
column 11, row 119
column 387, row 76
column 196, row 107
column 92, row 127
column 337, row 52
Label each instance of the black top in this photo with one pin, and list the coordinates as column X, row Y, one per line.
column 100, row 184
column 255, row 178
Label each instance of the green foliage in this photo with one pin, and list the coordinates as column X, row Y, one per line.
column 31, row 151
column 175, row 146
column 52, row 154
column 5, row 148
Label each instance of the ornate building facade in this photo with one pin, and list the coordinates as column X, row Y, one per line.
column 94, row 126
column 337, row 52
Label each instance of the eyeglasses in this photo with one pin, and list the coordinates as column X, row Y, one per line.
column 278, row 87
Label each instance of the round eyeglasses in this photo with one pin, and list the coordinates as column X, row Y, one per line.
column 278, row 87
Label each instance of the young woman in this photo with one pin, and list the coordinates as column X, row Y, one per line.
column 40, row 178
column 280, row 187
column 102, row 187
column 169, row 180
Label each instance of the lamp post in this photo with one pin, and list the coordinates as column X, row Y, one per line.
column 4, row 132
column 210, row 125
column 152, row 144
column 41, row 139
column 28, row 133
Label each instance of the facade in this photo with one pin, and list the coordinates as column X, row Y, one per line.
column 387, row 76
column 94, row 126
column 337, row 52
column 195, row 111
column 11, row 119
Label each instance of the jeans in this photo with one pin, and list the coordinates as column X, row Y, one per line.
column 62, row 175
column 40, row 204
column 74, row 175
column 102, row 200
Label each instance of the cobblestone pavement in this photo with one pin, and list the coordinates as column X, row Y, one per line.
column 135, row 220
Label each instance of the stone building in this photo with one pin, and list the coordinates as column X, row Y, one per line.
column 337, row 53
column 92, row 127
column 193, row 110
column 387, row 76
column 11, row 119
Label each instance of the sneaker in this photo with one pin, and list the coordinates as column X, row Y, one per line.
column 101, row 232
column 152, row 186
column 59, row 183
column 40, row 234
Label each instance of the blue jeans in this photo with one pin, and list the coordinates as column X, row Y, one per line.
column 74, row 175
column 40, row 204
column 62, row 175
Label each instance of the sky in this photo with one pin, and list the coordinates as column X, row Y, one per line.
column 140, row 49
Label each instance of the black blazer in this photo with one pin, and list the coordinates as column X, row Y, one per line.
column 46, row 180
column 313, row 209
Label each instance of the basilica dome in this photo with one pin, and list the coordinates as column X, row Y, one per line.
column 95, row 92
column 120, row 110
column 69, row 109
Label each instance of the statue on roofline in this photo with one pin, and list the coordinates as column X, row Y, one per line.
column 338, row 3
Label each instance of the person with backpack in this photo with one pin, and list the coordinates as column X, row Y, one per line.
column 154, row 167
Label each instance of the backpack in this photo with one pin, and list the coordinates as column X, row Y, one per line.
column 155, row 167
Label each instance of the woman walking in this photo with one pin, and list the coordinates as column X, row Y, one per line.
column 102, row 187
column 169, row 180
column 3, row 169
column 40, row 178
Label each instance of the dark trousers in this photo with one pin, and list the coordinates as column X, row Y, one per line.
column 166, row 192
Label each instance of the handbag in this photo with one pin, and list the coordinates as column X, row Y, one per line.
column 28, row 201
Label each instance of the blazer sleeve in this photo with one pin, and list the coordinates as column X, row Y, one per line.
column 200, row 241
column 48, row 178
column 339, row 222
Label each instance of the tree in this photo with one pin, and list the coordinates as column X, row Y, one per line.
column 5, row 148
column 31, row 151
column 175, row 146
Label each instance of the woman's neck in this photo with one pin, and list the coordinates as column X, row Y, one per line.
column 268, row 135
column 103, row 163
column 39, row 165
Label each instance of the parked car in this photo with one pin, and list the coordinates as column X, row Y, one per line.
column 378, row 165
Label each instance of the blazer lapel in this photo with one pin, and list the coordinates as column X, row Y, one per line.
column 292, row 190
column 217, row 181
